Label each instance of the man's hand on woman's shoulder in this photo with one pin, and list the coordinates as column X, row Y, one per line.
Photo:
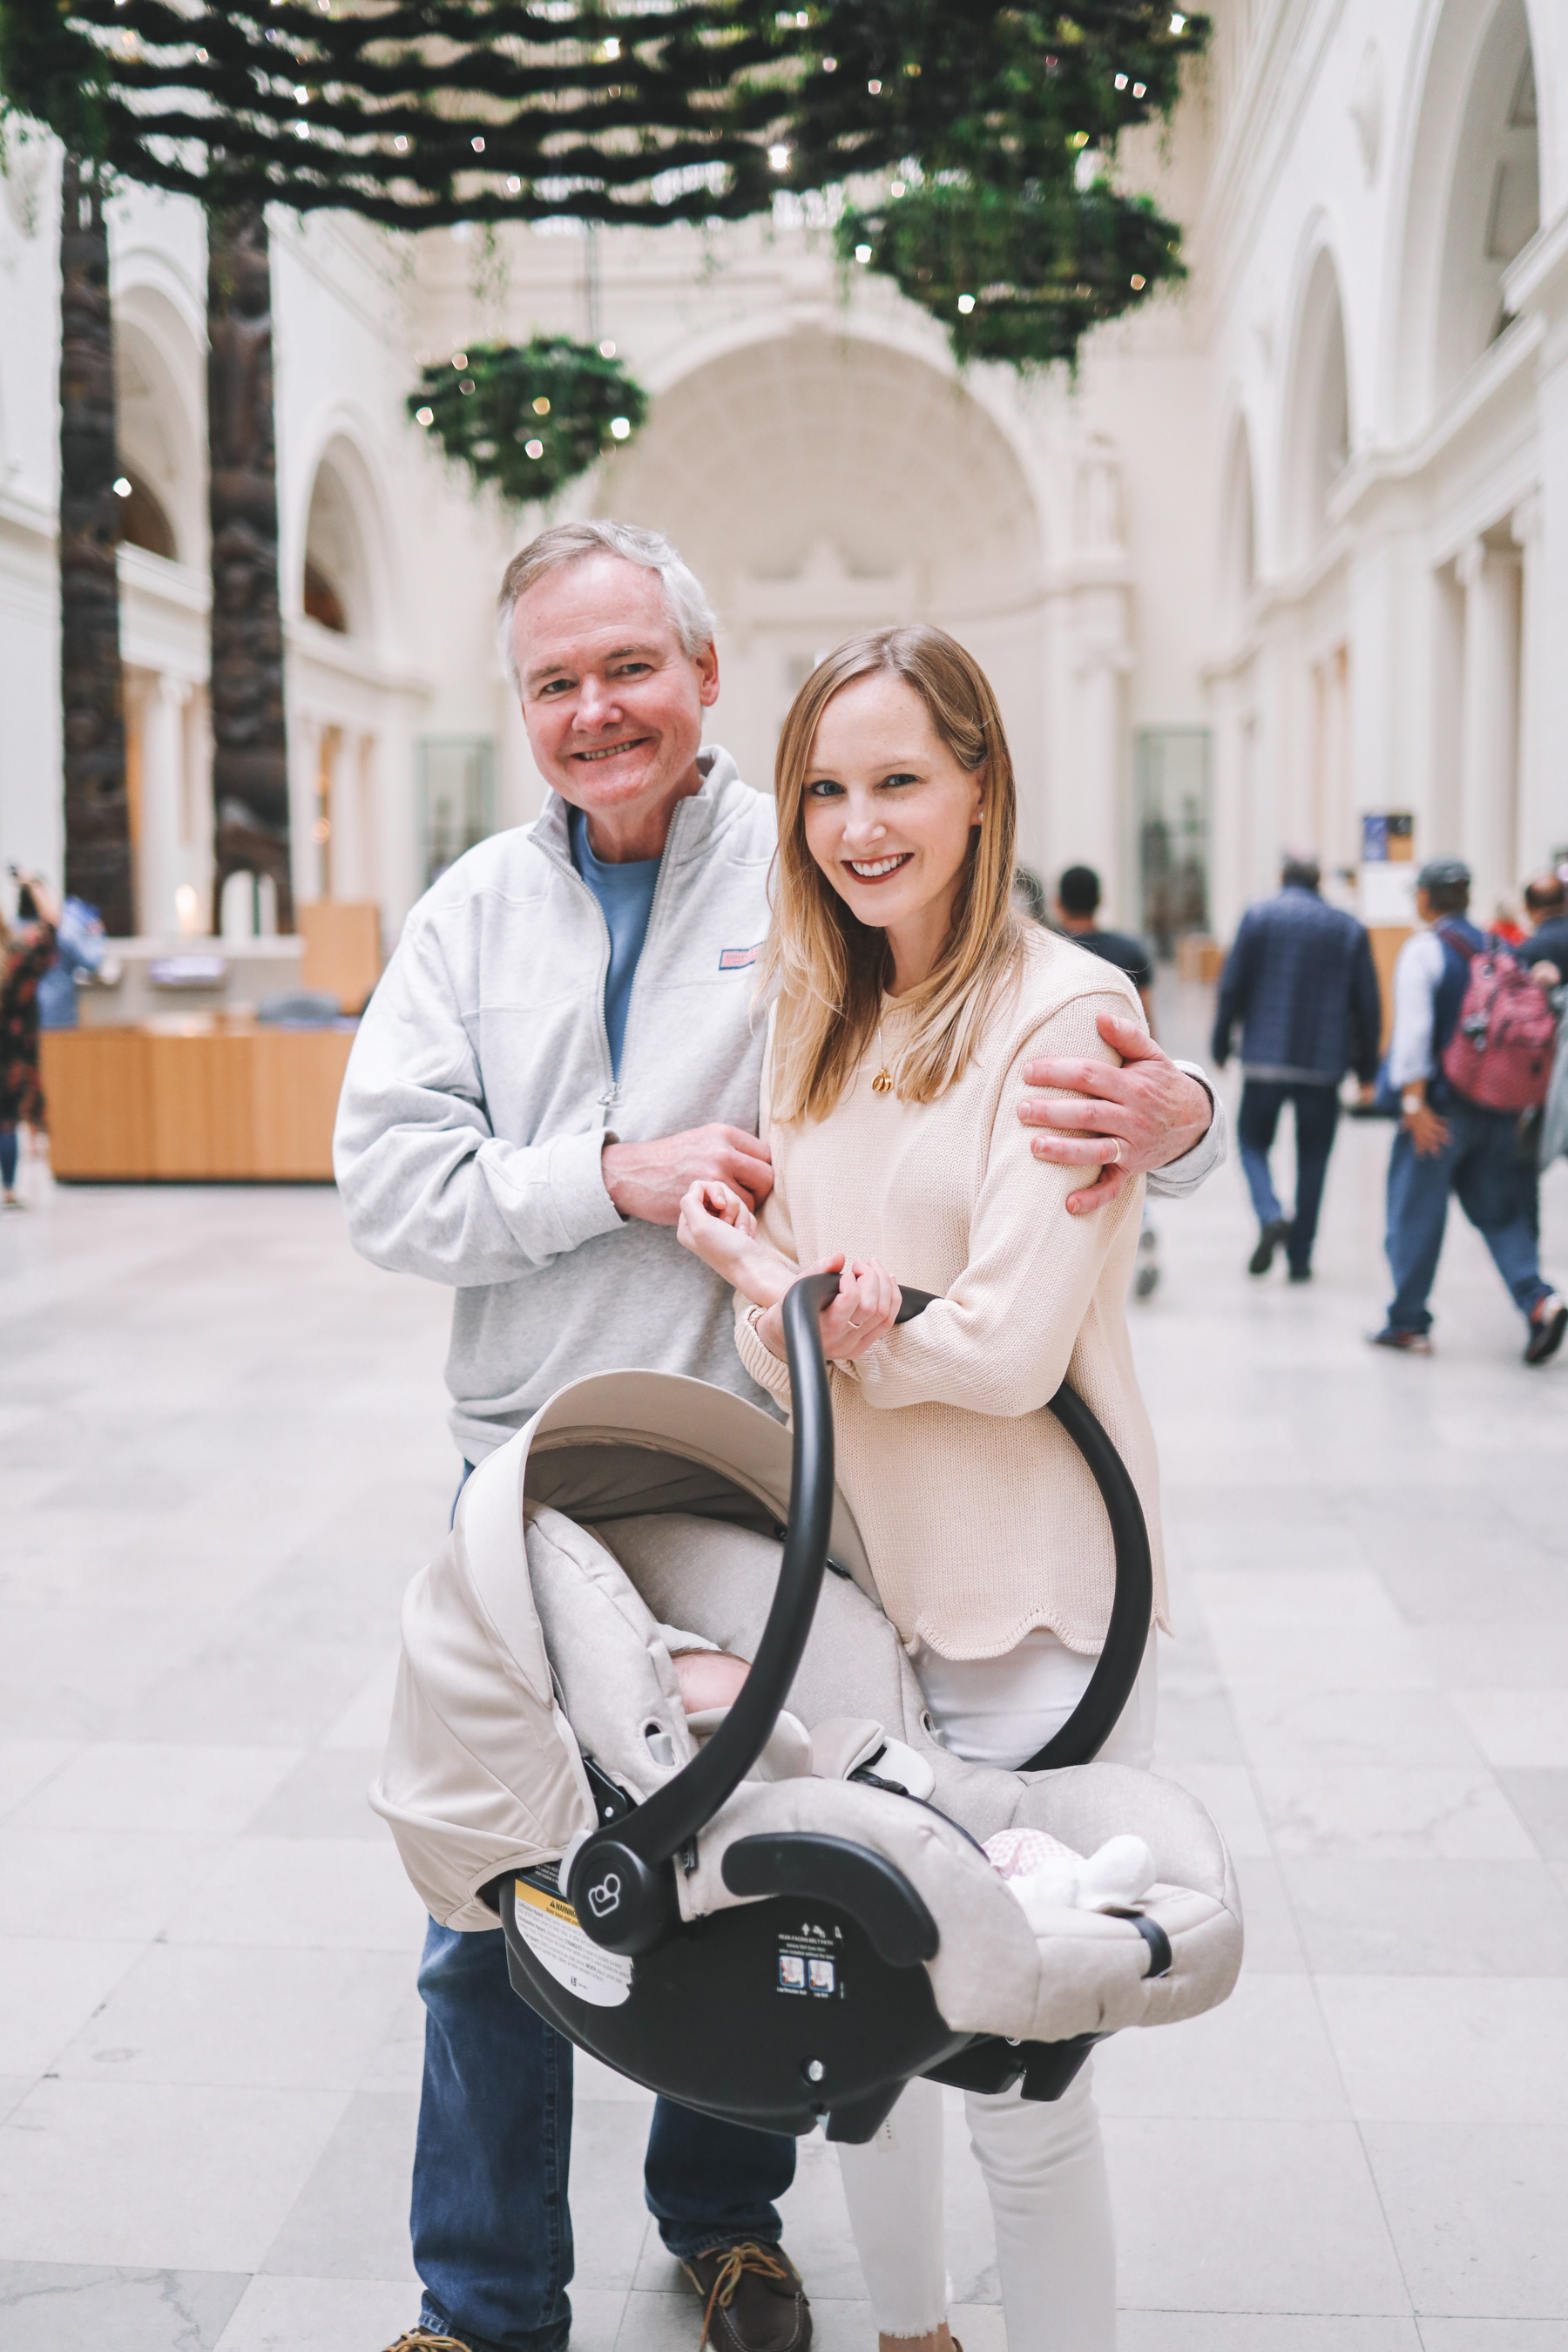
column 1154, row 1112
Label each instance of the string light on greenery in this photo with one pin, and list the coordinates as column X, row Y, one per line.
column 529, row 418
column 421, row 113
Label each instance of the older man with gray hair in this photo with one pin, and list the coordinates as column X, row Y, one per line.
column 565, row 1039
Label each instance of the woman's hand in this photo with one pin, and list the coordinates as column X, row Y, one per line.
column 716, row 1225
column 864, row 1311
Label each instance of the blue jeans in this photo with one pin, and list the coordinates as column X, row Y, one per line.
column 491, row 2229
column 1479, row 1165
column 1317, row 1117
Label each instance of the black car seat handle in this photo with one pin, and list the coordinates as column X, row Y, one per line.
column 1109, row 1687
column 620, row 1888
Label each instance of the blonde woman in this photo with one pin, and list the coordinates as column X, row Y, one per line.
column 905, row 1000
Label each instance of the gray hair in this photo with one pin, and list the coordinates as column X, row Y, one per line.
column 691, row 614
column 1302, row 866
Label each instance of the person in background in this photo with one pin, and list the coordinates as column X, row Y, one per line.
column 79, row 947
column 26, row 951
column 1300, row 980
column 1546, row 904
column 1077, row 906
column 1446, row 1144
column 1077, row 910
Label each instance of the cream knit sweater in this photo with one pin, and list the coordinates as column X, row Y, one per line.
column 979, row 1517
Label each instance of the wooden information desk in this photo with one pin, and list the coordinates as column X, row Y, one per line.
column 192, row 1096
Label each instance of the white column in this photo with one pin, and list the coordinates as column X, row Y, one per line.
column 1230, row 815
column 163, row 789
column 1489, row 731
column 1534, row 839
column 1094, row 801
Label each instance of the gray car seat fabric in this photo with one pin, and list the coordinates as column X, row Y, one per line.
column 534, row 1638
column 988, row 1975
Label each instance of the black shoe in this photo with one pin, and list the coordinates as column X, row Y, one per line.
column 1300, row 1273
column 1408, row 1343
column 1548, row 1322
column 753, row 2299
column 1269, row 1237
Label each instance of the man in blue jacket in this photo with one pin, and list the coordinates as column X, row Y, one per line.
column 1300, row 980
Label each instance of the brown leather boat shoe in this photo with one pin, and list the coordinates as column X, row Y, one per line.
column 753, row 2299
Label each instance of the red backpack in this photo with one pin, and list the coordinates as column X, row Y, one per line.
column 1499, row 1055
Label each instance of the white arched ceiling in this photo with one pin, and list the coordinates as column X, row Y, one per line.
column 1472, row 199
column 161, row 421
column 820, row 484
column 1316, row 432
column 768, row 456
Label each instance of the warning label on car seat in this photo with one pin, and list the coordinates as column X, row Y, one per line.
column 548, row 1925
column 808, row 1963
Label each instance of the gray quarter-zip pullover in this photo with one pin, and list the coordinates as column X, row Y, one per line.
column 478, row 1093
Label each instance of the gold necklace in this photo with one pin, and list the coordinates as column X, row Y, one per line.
column 882, row 1084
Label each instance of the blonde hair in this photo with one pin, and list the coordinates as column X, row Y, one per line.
column 830, row 969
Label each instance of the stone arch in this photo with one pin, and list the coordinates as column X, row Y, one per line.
column 1472, row 198
column 1315, row 444
column 161, row 417
column 343, row 566
column 820, row 482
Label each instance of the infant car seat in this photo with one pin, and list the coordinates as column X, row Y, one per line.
column 763, row 1925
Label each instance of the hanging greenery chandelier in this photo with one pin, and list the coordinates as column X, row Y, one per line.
column 977, row 137
column 529, row 418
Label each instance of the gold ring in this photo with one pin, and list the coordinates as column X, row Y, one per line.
column 854, row 1325
column 1115, row 1160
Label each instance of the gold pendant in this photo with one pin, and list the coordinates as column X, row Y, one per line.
column 882, row 1084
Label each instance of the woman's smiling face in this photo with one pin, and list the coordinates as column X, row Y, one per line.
column 889, row 813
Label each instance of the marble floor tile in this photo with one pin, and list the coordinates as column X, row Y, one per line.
column 321, row 1892
column 155, row 2175
column 1228, row 1792
column 1540, row 1801
column 1475, row 2210
column 1264, row 2054
column 48, row 1989
column 1528, row 1729
column 1249, row 2217
column 110, row 1883
column 327, row 1795
column 209, row 1791
column 277, row 2017
column 1273, row 1939
column 27, row 1764
column 363, row 1723
column 1502, row 1653
column 350, row 2219
column 1448, row 2050
column 1397, row 1917
column 1439, row 2335
column 317, row 2315
column 1282, row 1727
column 72, row 2308
column 1408, row 1812
column 1256, row 2331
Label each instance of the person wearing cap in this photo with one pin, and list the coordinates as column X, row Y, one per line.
column 1448, row 1144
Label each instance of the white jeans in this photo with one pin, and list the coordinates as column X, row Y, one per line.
column 1043, row 2163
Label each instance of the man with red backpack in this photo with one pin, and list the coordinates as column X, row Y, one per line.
column 1472, row 1051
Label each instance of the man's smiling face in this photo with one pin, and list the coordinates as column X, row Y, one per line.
column 613, row 705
